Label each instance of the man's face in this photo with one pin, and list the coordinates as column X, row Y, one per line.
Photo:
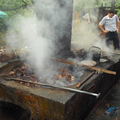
column 110, row 15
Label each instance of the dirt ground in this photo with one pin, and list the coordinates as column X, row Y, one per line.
column 112, row 99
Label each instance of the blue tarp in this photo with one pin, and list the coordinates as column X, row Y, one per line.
column 111, row 111
column 3, row 14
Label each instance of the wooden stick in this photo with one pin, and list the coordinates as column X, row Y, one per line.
column 80, row 83
column 118, row 53
column 85, row 66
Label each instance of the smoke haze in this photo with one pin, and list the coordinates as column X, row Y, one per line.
column 42, row 30
column 48, row 23
column 85, row 32
column 39, row 34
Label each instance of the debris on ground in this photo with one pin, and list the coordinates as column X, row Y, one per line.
column 111, row 111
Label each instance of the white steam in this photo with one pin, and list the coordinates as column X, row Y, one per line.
column 39, row 34
column 41, row 31
column 39, row 47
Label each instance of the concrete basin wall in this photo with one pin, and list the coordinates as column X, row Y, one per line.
column 56, row 104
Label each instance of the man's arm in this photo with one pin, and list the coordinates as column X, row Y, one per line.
column 102, row 28
column 117, row 26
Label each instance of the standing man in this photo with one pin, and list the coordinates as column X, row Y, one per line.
column 110, row 26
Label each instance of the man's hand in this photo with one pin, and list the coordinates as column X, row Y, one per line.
column 105, row 31
column 117, row 30
column 102, row 28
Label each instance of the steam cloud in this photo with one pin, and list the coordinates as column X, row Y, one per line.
column 41, row 31
column 45, row 27
column 39, row 34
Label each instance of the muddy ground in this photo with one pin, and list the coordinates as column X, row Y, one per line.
column 112, row 99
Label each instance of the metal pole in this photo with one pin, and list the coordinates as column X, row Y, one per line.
column 113, row 4
column 59, row 87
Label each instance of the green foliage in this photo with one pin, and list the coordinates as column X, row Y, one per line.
column 84, row 4
column 3, row 26
column 12, row 8
column 87, row 4
column 117, row 5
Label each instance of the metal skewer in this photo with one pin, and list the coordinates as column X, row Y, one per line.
column 59, row 87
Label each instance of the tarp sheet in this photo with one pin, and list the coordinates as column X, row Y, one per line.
column 3, row 14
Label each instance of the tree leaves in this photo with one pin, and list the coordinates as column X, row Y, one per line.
column 12, row 7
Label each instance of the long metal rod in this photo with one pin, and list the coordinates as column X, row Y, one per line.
column 64, row 88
